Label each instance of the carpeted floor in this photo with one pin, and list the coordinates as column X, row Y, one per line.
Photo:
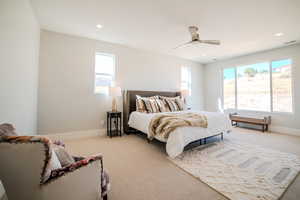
column 141, row 171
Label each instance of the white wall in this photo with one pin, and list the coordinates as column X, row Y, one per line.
column 19, row 48
column 66, row 98
column 286, row 123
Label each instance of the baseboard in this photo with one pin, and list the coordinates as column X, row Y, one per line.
column 285, row 130
column 77, row 134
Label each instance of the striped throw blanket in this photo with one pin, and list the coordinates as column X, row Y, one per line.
column 163, row 124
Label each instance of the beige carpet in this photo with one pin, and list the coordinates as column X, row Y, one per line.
column 141, row 171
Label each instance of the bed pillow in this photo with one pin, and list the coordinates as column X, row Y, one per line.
column 180, row 103
column 150, row 103
column 140, row 105
column 174, row 103
column 162, row 105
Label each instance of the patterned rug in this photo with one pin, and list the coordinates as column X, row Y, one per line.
column 241, row 171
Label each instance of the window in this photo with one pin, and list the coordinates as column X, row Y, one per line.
column 253, row 87
column 260, row 87
column 186, row 79
column 104, row 72
column 282, row 85
column 229, row 88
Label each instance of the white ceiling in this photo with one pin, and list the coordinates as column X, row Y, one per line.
column 243, row 26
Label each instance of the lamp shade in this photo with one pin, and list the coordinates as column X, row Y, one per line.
column 185, row 93
column 115, row 91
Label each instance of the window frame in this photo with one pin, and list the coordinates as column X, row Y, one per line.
column 271, row 87
column 113, row 74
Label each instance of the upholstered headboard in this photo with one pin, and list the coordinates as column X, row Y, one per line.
column 129, row 102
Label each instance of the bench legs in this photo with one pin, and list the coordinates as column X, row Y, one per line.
column 265, row 127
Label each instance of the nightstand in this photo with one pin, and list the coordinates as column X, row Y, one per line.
column 114, row 124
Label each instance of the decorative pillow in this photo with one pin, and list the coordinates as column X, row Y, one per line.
column 174, row 103
column 140, row 105
column 59, row 143
column 151, row 105
column 52, row 165
column 180, row 103
column 63, row 156
column 162, row 105
column 7, row 130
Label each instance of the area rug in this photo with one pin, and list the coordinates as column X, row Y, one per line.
column 241, row 171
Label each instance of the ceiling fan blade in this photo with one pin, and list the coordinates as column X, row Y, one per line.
column 190, row 42
column 215, row 42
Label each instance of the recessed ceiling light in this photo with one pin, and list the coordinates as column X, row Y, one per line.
column 278, row 34
column 99, row 26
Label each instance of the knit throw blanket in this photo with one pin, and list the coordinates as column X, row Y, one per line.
column 163, row 124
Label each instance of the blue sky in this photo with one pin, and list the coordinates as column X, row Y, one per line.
column 229, row 73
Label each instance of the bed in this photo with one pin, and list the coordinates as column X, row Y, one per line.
column 134, row 121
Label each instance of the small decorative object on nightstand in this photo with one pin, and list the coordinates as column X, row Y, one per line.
column 114, row 124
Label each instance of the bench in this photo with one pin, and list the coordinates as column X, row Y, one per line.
column 264, row 121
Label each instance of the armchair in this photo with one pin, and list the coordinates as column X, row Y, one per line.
column 23, row 165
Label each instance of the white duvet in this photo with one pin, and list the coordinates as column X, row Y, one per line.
column 180, row 137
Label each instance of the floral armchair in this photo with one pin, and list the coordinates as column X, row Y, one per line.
column 24, row 160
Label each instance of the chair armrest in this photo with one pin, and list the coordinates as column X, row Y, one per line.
column 55, row 174
column 80, row 180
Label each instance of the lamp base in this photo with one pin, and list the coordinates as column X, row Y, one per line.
column 114, row 105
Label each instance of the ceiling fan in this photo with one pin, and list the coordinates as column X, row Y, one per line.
column 196, row 39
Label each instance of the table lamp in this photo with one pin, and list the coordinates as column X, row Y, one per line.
column 185, row 93
column 114, row 92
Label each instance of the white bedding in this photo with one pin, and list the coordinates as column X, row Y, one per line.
column 180, row 137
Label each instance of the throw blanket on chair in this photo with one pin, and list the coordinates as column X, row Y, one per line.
column 163, row 124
